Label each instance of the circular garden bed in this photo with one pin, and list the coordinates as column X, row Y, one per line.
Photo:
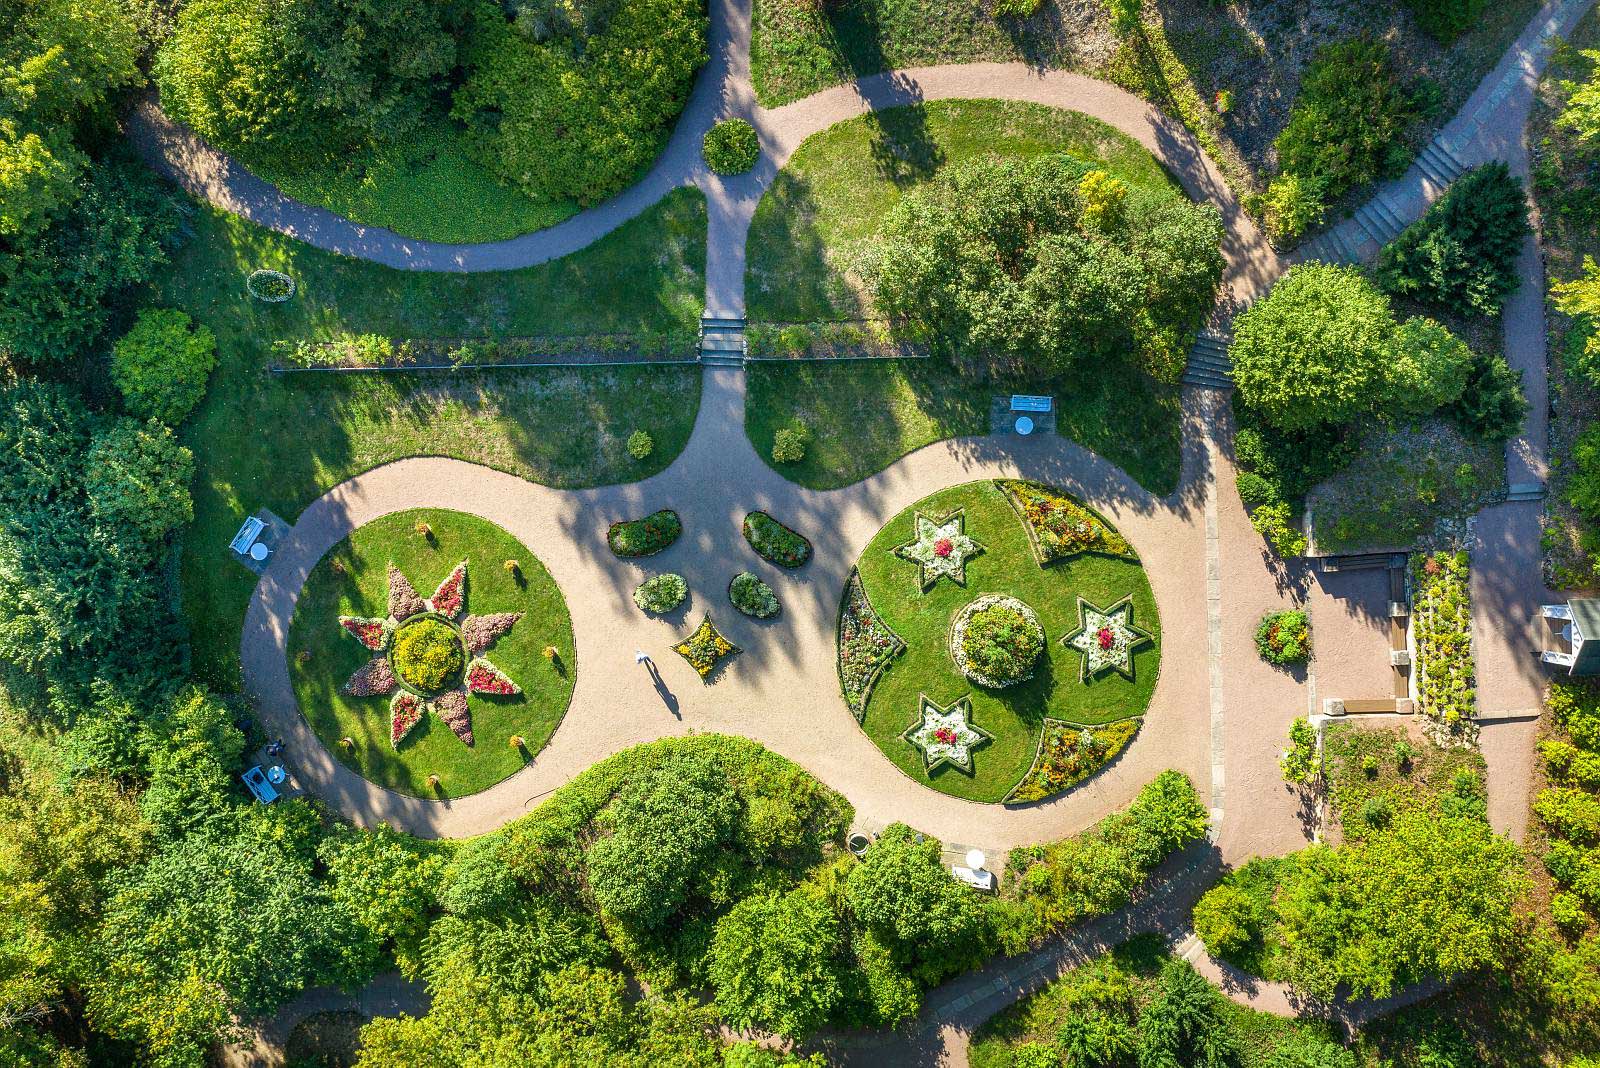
column 979, row 570
column 417, row 640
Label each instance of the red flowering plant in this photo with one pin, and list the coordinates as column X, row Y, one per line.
column 943, row 547
column 1105, row 637
column 484, row 677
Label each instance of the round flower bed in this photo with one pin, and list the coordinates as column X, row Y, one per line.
column 427, row 654
column 1284, row 638
column 996, row 640
column 752, row 596
column 661, row 594
column 269, row 287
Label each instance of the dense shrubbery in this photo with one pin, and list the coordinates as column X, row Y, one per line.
column 161, row 365
column 642, row 537
column 1462, row 254
column 1346, row 128
column 731, row 147
column 1569, row 808
column 1447, row 19
column 1033, row 268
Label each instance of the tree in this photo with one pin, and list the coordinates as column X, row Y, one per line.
column 212, row 926
column 1581, row 113
column 1427, row 366
column 1227, row 920
column 162, row 363
column 772, row 963
column 1315, row 349
column 136, row 478
column 192, row 750
column 1462, row 254
column 1183, row 1025
column 1431, row 896
column 903, row 893
column 995, row 264
column 1492, row 406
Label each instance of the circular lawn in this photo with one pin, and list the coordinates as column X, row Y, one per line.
column 1095, row 674
column 431, row 651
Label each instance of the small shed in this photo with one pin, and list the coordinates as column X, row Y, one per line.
column 1577, row 625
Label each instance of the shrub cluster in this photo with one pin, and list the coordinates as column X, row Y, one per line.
column 789, row 443
column 162, row 363
column 661, row 593
column 731, row 147
column 1447, row 19
column 642, row 537
column 1569, row 808
column 752, row 596
column 1346, row 128
column 641, row 445
column 427, row 654
column 1284, row 637
column 1023, row 268
column 1442, row 624
column 1462, row 254
column 1000, row 643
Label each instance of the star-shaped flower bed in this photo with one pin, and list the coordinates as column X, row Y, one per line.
column 1107, row 639
column 427, row 657
column 946, row 735
column 705, row 648
column 941, row 549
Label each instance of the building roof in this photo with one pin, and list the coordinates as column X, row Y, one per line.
column 1586, row 622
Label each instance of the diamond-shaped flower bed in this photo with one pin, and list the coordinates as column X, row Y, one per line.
column 941, row 549
column 1107, row 639
column 705, row 648
column 946, row 735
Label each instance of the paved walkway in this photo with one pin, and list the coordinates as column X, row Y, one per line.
column 1206, row 566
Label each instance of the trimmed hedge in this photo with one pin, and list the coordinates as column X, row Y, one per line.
column 643, row 537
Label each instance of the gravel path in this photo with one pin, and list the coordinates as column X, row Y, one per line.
column 1205, row 565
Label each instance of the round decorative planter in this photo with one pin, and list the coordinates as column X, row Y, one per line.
column 958, row 632
column 461, row 646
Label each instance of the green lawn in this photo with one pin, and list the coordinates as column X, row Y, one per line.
column 426, row 186
column 281, row 441
column 322, row 655
column 1014, row 715
column 1133, row 966
column 815, row 226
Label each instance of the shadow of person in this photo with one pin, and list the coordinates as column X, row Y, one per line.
column 666, row 695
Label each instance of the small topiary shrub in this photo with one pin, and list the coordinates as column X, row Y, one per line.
column 642, row 537
column 1284, row 638
column 640, row 445
column 752, row 596
column 269, row 287
column 1492, row 406
column 161, row 365
column 789, row 443
column 774, row 541
column 731, row 147
column 661, row 593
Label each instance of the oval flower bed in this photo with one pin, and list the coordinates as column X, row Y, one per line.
column 995, row 641
column 643, row 537
column 774, row 541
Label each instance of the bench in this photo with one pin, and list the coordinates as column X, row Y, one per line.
column 1026, row 402
column 256, row 780
column 248, row 533
column 978, row 880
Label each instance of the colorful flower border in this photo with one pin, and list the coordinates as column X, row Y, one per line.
column 854, row 598
column 1009, row 489
column 1114, row 736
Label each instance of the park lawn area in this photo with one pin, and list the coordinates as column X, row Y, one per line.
column 816, row 225
column 322, row 655
column 426, row 185
column 1136, row 963
column 1015, row 715
column 818, row 221
column 866, row 414
column 280, row 441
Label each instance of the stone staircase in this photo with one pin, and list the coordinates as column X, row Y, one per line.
column 1378, row 220
column 1526, row 491
column 1209, row 366
column 722, row 341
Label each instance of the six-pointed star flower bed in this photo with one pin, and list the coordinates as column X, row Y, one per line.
column 430, row 667
column 911, row 583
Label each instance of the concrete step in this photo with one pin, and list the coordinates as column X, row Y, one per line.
column 1526, row 491
column 1342, row 248
column 1370, row 225
column 721, row 359
column 710, row 321
column 1433, row 167
column 1392, row 218
column 723, row 343
column 1445, row 157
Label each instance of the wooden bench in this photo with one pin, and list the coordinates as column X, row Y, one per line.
column 1027, row 402
column 248, row 533
column 256, row 780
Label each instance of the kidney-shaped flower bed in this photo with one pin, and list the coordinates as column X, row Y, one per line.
column 419, row 684
column 643, row 537
column 774, row 541
column 949, row 609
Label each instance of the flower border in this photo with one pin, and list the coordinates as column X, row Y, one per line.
column 1112, row 753
column 898, row 646
column 1005, row 486
column 722, row 654
column 744, row 528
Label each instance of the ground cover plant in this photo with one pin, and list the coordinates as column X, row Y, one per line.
column 405, row 116
column 644, row 537
column 436, row 651
column 1568, row 807
column 280, row 441
column 896, row 605
column 815, row 233
column 1442, row 621
column 775, row 542
column 1139, row 1003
